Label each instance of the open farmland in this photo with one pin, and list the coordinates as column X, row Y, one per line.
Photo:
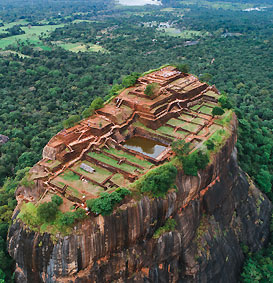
column 32, row 35
column 80, row 47
column 185, row 34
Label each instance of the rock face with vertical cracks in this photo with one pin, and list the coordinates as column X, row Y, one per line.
column 217, row 213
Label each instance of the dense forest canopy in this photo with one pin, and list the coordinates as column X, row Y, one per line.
column 44, row 82
column 34, row 10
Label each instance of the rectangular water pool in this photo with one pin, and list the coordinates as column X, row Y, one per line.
column 145, row 146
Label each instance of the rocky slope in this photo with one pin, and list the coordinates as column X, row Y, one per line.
column 217, row 213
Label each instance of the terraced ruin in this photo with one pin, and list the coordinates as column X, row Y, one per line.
column 127, row 137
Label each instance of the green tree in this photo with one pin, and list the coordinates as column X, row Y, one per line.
column 57, row 199
column 85, row 81
column 105, row 203
column 97, row 103
column 27, row 159
column 194, row 162
column 210, row 145
column 87, row 112
column 189, row 165
column 70, row 217
column 159, row 180
column 259, row 267
column 184, row 68
column 264, row 180
column 115, row 89
column 67, row 219
column 224, row 102
column 2, row 276
column 202, row 159
column 151, row 89
column 47, row 211
column 130, row 80
column 217, row 111
column 181, row 148
column 71, row 121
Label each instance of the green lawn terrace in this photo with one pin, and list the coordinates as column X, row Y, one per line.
column 196, row 125
column 129, row 135
column 112, row 169
column 76, row 183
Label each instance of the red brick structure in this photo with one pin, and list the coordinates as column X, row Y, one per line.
column 176, row 101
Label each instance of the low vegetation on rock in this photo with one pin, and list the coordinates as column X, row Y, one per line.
column 159, row 180
column 104, row 205
column 217, row 111
column 130, row 80
column 150, row 89
column 47, row 211
column 71, row 121
column 169, row 226
column 191, row 162
column 97, row 103
column 47, row 217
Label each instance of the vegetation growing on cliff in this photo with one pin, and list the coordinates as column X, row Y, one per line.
column 217, row 111
column 7, row 205
column 47, row 217
column 194, row 162
column 97, row 103
column 71, row 121
column 158, row 181
column 26, row 180
column 191, row 162
column 184, row 68
column 216, row 140
column 201, row 230
column 47, row 211
column 150, row 89
column 169, row 226
column 69, row 218
column 224, row 101
column 104, row 205
column 130, row 80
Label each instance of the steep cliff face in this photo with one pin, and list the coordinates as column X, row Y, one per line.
column 216, row 214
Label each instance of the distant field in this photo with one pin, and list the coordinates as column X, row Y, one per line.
column 8, row 52
column 80, row 47
column 34, row 33
column 220, row 4
column 186, row 34
column 9, row 25
column 31, row 35
column 168, row 10
column 81, row 21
